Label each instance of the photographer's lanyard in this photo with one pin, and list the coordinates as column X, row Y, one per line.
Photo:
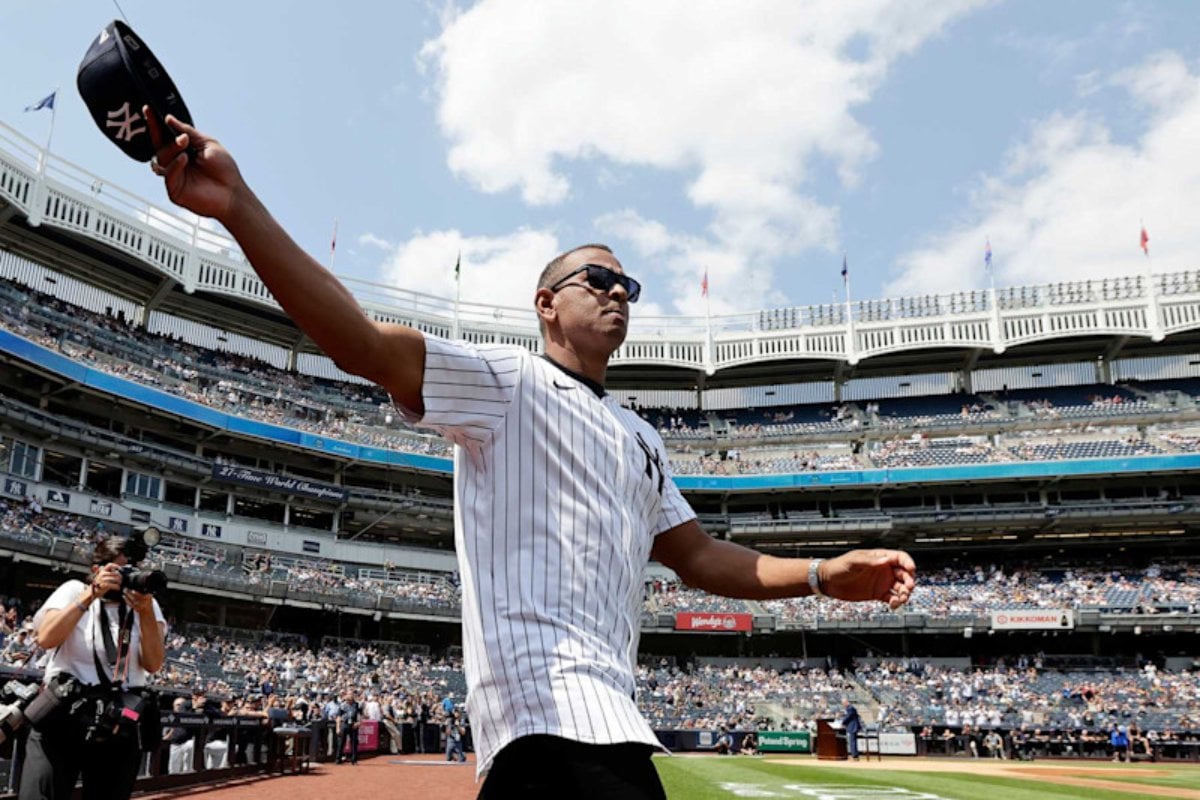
column 118, row 657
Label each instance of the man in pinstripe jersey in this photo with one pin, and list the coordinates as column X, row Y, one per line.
column 561, row 498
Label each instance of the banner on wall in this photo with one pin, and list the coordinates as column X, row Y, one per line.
column 713, row 623
column 1033, row 619
column 301, row 487
column 784, row 742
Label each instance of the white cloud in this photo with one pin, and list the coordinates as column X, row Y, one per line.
column 741, row 103
column 371, row 240
column 736, row 281
column 499, row 270
column 1069, row 201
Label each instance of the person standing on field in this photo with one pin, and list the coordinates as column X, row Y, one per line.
column 561, row 496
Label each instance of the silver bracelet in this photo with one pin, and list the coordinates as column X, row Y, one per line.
column 814, row 577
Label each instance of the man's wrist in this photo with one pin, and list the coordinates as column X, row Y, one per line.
column 814, row 577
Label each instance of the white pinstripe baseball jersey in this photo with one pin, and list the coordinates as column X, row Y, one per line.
column 559, row 493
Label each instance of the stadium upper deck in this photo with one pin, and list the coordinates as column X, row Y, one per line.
column 67, row 218
column 181, row 280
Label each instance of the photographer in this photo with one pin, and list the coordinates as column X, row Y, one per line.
column 107, row 639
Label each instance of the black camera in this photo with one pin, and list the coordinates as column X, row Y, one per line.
column 33, row 704
column 116, row 714
column 147, row 581
column 138, row 545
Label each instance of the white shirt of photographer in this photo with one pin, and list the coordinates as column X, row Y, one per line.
column 74, row 655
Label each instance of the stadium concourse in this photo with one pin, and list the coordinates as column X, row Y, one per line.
column 1035, row 447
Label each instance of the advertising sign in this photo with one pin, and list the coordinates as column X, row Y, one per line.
column 713, row 623
column 784, row 742
column 1033, row 619
column 895, row 744
column 368, row 737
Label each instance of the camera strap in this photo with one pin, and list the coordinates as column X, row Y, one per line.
column 114, row 653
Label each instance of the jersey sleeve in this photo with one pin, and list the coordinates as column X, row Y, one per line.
column 468, row 389
column 674, row 510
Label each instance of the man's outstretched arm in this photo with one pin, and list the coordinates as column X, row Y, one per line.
column 731, row 570
column 201, row 176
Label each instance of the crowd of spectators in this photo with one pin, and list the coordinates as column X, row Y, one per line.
column 228, row 382
column 31, row 522
column 285, row 677
column 252, row 388
column 421, row 589
column 736, row 697
column 947, row 593
column 763, row 460
column 957, row 593
column 1028, row 695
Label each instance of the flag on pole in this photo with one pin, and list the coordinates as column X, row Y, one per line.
column 704, row 284
column 1145, row 241
column 458, row 266
column 987, row 255
column 333, row 241
column 45, row 102
column 845, row 268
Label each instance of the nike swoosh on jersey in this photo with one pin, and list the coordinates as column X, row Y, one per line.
column 558, row 385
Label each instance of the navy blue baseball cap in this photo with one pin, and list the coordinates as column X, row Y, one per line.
column 119, row 75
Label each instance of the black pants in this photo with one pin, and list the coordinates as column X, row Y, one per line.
column 347, row 734
column 535, row 767
column 55, row 757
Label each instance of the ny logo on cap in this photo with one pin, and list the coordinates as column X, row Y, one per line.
column 125, row 129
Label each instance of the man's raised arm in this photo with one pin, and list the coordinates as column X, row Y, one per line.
column 201, row 176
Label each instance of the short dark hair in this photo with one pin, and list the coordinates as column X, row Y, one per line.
column 550, row 274
column 108, row 550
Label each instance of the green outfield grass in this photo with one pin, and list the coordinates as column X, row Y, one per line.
column 709, row 778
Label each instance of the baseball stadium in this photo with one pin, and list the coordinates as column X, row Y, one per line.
column 275, row 530
column 1034, row 448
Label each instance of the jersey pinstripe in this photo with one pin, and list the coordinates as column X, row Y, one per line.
column 559, row 494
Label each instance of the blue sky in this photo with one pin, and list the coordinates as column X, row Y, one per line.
column 757, row 141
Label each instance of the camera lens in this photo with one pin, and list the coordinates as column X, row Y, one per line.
column 148, row 581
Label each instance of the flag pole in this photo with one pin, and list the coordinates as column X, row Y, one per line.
column 1156, row 325
column 846, row 282
column 987, row 258
column 333, row 244
column 457, row 295
column 708, row 338
column 45, row 157
column 851, row 347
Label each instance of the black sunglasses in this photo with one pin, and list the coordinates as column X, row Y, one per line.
column 602, row 279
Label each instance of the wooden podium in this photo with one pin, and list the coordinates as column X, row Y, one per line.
column 831, row 742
